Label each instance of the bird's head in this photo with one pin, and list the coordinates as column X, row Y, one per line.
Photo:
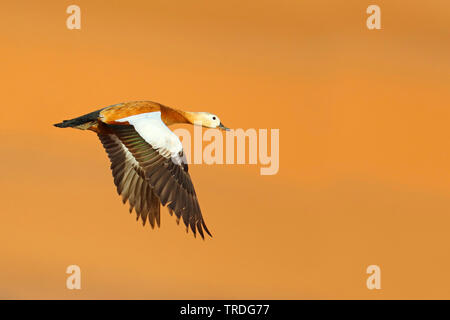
column 208, row 120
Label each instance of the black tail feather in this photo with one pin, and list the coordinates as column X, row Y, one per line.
column 64, row 124
column 79, row 121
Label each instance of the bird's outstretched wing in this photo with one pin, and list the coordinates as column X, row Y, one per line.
column 152, row 155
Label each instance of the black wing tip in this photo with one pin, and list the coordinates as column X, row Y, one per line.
column 199, row 227
column 202, row 227
column 206, row 229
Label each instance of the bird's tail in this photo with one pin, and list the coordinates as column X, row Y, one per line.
column 82, row 122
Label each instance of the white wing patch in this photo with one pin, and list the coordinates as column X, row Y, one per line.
column 151, row 128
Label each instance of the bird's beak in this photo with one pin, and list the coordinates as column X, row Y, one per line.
column 221, row 126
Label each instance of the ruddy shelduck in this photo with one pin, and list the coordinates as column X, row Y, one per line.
column 147, row 160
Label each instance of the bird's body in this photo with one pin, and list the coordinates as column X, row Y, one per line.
column 147, row 159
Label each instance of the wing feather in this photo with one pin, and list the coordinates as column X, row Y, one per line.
column 167, row 175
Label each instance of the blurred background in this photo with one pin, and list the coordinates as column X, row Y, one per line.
column 364, row 148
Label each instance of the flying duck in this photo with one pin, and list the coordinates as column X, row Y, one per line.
column 147, row 160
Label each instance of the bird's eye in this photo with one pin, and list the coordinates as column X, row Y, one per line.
column 214, row 118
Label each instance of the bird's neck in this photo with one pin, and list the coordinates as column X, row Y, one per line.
column 173, row 116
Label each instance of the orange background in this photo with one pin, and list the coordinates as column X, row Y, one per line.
column 364, row 148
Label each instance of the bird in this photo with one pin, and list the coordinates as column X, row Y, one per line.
column 148, row 164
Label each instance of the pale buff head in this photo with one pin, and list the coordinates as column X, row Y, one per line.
column 206, row 119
